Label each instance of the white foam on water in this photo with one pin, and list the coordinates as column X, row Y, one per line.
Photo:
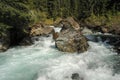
column 42, row 61
column 57, row 29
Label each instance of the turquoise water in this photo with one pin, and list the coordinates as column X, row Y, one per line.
column 42, row 61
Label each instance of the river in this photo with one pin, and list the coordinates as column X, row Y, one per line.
column 42, row 61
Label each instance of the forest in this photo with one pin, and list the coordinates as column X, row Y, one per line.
column 16, row 16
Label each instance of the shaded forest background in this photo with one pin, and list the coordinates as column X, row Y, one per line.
column 16, row 16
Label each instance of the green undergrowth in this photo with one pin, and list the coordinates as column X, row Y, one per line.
column 103, row 20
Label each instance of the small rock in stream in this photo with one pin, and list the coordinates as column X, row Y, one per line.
column 76, row 76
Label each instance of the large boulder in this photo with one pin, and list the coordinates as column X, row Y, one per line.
column 40, row 29
column 71, row 41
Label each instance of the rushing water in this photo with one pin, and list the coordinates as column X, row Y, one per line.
column 42, row 61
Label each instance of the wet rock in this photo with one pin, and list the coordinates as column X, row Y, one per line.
column 76, row 76
column 55, row 35
column 113, row 28
column 117, row 49
column 116, row 45
column 57, row 21
column 69, row 23
column 105, row 30
column 40, row 29
column 85, row 30
column 26, row 41
column 71, row 41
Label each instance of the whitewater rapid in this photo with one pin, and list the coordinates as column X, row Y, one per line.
column 42, row 61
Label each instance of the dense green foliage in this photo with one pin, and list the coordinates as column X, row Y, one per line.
column 14, row 13
column 77, row 8
column 20, row 14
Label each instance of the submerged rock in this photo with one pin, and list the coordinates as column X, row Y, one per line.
column 76, row 76
column 26, row 41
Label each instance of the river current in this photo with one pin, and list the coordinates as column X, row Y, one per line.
column 42, row 61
